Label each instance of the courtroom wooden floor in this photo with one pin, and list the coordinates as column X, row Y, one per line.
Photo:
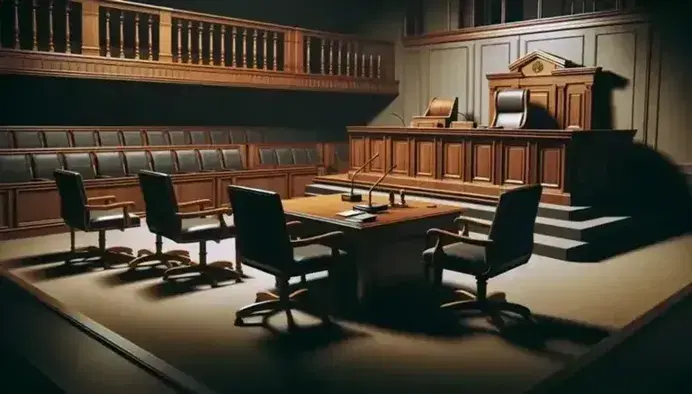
column 194, row 332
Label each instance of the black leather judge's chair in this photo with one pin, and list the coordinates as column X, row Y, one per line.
column 511, row 109
column 93, row 214
column 164, row 219
column 509, row 245
column 263, row 242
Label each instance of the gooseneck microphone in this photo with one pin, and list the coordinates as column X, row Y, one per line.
column 370, row 207
column 352, row 197
column 401, row 118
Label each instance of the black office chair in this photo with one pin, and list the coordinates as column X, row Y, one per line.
column 508, row 246
column 164, row 219
column 83, row 213
column 263, row 242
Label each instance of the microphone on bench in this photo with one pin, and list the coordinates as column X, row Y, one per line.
column 350, row 196
column 374, row 208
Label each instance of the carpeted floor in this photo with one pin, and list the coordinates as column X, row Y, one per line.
column 192, row 328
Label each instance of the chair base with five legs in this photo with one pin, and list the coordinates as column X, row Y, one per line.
column 108, row 256
column 170, row 258
column 212, row 272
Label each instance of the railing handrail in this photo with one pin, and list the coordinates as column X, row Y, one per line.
column 231, row 20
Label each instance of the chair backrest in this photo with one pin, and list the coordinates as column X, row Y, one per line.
column 161, row 204
column 261, row 235
column 513, row 226
column 511, row 108
column 15, row 168
column 73, row 199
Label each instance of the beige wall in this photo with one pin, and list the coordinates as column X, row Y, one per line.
column 652, row 100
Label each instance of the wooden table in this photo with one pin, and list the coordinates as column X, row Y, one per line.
column 382, row 253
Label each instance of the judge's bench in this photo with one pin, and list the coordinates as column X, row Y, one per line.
column 543, row 131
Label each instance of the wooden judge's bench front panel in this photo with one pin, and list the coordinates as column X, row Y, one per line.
column 466, row 162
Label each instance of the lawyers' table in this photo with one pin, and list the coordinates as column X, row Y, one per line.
column 383, row 253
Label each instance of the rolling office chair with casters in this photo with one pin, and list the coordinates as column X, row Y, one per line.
column 165, row 220
column 260, row 221
column 86, row 214
column 508, row 246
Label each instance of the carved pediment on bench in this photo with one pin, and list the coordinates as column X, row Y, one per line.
column 539, row 63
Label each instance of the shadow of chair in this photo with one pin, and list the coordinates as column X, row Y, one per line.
column 84, row 213
column 508, row 246
column 263, row 242
column 164, row 219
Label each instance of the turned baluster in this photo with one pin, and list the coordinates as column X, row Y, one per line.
column 51, row 44
column 34, row 25
column 179, row 28
column 16, row 25
column 275, row 40
column 371, row 70
column 189, row 42
column 108, row 33
column 355, row 59
column 363, row 71
column 379, row 66
column 308, row 43
column 234, row 44
column 255, row 56
column 265, row 39
column 136, row 35
column 331, row 57
column 339, row 54
column 68, row 33
column 122, row 33
column 348, row 58
column 211, row 44
column 323, row 46
column 200, row 53
column 150, row 40
column 244, row 46
column 222, row 46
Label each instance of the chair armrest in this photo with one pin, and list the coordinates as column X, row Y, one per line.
column 125, row 205
column 219, row 212
column 120, row 204
column 440, row 234
column 327, row 238
column 104, row 199
column 464, row 221
column 202, row 203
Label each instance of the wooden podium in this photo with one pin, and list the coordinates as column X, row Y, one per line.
column 440, row 113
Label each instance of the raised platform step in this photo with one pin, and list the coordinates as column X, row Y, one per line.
column 552, row 211
column 570, row 240
column 584, row 230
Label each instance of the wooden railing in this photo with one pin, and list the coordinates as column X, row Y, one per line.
column 116, row 29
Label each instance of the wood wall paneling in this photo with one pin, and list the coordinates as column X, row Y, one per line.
column 425, row 158
column 491, row 56
column 276, row 183
column 5, row 212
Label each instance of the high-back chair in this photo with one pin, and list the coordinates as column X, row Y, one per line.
column 100, row 214
column 263, row 242
column 165, row 220
column 509, row 245
column 511, row 109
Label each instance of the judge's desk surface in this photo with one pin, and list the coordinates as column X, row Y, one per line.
column 573, row 165
column 382, row 253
